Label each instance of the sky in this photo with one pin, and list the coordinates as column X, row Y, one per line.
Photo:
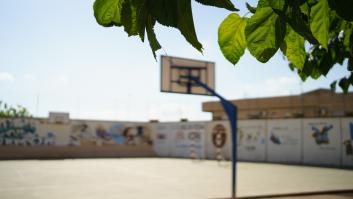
column 55, row 57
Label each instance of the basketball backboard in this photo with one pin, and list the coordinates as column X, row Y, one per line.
column 175, row 69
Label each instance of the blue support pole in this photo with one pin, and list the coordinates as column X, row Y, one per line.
column 231, row 111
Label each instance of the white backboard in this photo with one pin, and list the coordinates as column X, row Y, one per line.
column 174, row 68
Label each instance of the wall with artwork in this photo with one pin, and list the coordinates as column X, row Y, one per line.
column 284, row 140
column 320, row 141
column 218, row 140
column 252, row 140
column 181, row 139
column 78, row 136
column 347, row 141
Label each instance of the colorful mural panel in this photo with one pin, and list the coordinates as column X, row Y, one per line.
column 218, row 140
column 322, row 138
column 23, row 132
column 284, row 140
column 251, row 140
column 102, row 133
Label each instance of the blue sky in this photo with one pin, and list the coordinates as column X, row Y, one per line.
column 55, row 57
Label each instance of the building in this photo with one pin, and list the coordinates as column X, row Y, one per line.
column 316, row 103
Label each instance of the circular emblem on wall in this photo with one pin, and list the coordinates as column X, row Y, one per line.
column 219, row 136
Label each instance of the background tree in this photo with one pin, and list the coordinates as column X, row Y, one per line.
column 7, row 111
column 313, row 35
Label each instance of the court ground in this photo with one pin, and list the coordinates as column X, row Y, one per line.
column 153, row 178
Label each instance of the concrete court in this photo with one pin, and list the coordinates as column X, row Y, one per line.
column 153, row 178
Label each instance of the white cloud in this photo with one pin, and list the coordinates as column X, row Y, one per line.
column 4, row 76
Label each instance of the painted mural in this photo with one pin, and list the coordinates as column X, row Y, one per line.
column 218, row 140
column 23, row 132
column 284, row 140
column 189, row 140
column 322, row 141
column 318, row 141
column 162, row 139
column 86, row 134
column 180, row 139
column 251, row 140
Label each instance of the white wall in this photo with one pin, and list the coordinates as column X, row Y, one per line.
column 347, row 141
column 322, row 142
column 183, row 138
column 252, row 140
column 211, row 149
column 284, row 140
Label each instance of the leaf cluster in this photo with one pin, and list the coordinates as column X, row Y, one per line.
column 138, row 17
column 7, row 111
column 314, row 35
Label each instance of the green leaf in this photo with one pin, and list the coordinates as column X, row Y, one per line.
column 250, row 8
column 264, row 33
column 277, row 4
column 152, row 36
column 343, row 8
column 219, row 3
column 344, row 84
column 178, row 14
column 320, row 22
column 186, row 23
column 129, row 17
column 351, row 78
column 333, row 86
column 348, row 33
column 231, row 37
column 299, row 22
column 293, row 48
column 107, row 12
column 262, row 3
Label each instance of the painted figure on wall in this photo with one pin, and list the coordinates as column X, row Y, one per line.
column 321, row 135
column 81, row 135
column 275, row 139
column 137, row 135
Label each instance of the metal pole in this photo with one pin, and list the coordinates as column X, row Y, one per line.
column 231, row 111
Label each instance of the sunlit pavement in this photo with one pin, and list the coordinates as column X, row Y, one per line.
column 159, row 178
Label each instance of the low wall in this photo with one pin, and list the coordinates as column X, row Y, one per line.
column 318, row 141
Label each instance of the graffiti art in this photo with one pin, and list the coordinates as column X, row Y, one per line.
column 22, row 132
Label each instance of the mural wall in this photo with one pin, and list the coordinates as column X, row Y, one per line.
column 30, row 132
column 322, row 141
column 23, row 132
column 218, row 140
column 252, row 140
column 284, row 140
column 185, row 139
